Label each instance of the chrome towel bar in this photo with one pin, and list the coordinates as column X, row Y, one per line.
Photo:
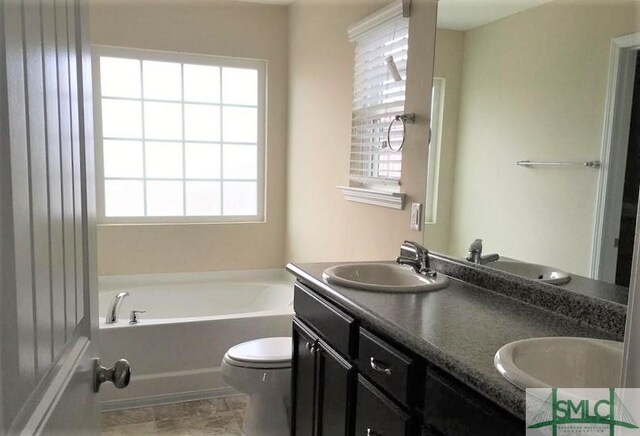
column 588, row 164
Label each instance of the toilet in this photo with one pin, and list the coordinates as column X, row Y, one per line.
column 262, row 369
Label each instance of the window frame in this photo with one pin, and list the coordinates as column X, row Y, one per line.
column 375, row 190
column 438, row 95
column 361, row 34
column 260, row 65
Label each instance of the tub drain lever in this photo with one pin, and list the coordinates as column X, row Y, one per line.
column 133, row 319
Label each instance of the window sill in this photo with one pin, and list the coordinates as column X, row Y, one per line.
column 182, row 221
column 392, row 200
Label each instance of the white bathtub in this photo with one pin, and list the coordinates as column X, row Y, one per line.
column 191, row 320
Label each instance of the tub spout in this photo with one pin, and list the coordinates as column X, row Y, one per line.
column 114, row 307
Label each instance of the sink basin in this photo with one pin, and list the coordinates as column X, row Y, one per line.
column 562, row 362
column 532, row 271
column 382, row 277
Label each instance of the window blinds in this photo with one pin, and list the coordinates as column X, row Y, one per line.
column 378, row 96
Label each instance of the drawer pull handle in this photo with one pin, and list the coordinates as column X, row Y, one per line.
column 312, row 347
column 373, row 433
column 378, row 367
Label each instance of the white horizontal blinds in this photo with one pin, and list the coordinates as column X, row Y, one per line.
column 378, row 96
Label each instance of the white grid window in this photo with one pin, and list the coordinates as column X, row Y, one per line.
column 381, row 52
column 180, row 138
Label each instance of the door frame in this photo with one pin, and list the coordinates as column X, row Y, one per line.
column 622, row 70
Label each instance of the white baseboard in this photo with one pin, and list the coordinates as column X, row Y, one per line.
column 156, row 400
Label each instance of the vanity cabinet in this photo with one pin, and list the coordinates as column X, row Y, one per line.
column 452, row 408
column 349, row 380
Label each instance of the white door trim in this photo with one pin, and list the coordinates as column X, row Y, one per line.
column 615, row 142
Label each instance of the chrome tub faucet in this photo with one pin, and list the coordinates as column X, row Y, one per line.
column 475, row 254
column 416, row 256
column 114, row 307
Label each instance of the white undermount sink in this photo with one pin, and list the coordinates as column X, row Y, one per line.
column 562, row 362
column 532, row 271
column 382, row 277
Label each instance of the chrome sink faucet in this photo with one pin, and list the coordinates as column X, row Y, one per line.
column 114, row 307
column 475, row 254
column 416, row 256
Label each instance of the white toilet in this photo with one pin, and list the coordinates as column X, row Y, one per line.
column 262, row 369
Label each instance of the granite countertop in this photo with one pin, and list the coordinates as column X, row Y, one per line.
column 458, row 328
column 598, row 289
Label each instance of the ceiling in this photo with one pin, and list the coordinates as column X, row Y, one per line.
column 452, row 14
column 468, row 14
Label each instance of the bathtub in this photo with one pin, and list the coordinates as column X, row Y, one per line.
column 191, row 320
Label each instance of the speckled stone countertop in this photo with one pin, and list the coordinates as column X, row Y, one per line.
column 458, row 329
column 595, row 304
column 597, row 289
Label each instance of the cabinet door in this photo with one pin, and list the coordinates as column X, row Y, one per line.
column 336, row 378
column 377, row 415
column 303, row 380
column 453, row 409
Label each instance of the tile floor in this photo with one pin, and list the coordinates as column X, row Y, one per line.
column 214, row 417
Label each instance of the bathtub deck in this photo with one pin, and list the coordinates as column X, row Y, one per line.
column 218, row 416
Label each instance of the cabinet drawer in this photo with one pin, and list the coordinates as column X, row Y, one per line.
column 387, row 367
column 454, row 409
column 332, row 324
column 377, row 415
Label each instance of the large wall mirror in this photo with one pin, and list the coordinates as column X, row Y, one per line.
column 523, row 97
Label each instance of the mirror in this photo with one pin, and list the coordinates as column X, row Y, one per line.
column 523, row 97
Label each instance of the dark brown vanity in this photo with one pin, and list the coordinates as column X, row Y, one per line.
column 349, row 379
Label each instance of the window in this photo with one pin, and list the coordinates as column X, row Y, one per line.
column 180, row 138
column 433, row 165
column 379, row 83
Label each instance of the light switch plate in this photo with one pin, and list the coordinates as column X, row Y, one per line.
column 416, row 216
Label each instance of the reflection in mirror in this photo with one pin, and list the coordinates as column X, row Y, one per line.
column 523, row 98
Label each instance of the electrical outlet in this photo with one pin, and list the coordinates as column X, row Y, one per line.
column 416, row 216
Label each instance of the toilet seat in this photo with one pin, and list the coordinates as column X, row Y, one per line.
column 265, row 353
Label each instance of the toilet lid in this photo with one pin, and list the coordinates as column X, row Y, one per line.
column 266, row 350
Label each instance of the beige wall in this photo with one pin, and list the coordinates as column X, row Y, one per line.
column 215, row 27
column 321, row 224
column 309, row 58
column 534, row 87
column 448, row 66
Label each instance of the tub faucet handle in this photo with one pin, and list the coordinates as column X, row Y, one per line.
column 133, row 319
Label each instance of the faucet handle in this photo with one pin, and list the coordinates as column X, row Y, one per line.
column 133, row 319
column 413, row 249
column 415, row 246
column 476, row 246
